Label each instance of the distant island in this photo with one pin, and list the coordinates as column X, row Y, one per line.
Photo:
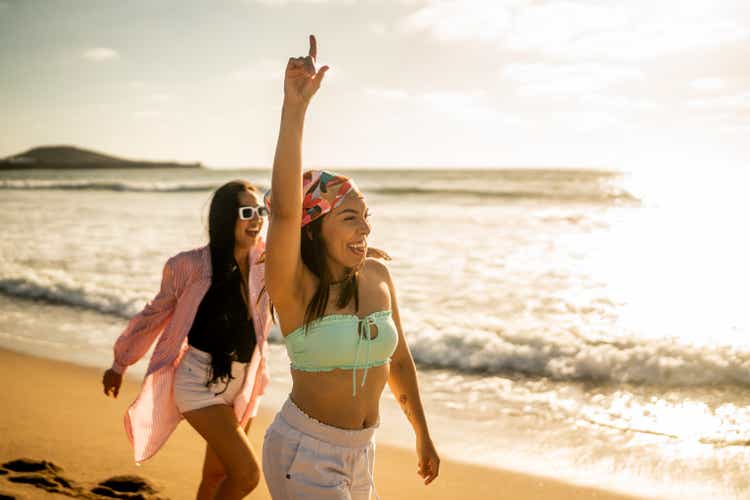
column 69, row 157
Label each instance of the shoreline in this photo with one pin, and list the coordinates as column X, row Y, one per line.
column 58, row 412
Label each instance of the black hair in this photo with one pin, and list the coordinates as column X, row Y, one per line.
column 222, row 218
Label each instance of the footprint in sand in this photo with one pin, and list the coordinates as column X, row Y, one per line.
column 130, row 487
column 47, row 476
column 42, row 474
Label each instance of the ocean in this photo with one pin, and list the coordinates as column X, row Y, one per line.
column 585, row 325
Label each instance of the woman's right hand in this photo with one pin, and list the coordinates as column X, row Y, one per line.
column 112, row 382
column 301, row 79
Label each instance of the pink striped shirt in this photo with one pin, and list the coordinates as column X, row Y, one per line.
column 153, row 416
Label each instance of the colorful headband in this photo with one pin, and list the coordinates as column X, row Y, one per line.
column 323, row 190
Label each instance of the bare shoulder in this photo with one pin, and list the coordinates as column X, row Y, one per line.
column 376, row 285
column 376, row 269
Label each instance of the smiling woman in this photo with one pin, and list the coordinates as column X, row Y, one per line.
column 340, row 320
column 346, row 241
column 209, row 364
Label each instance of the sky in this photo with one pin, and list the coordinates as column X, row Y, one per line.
column 629, row 84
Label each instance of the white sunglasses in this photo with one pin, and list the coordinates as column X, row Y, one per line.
column 247, row 213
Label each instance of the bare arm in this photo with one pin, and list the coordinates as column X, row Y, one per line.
column 284, row 267
column 403, row 383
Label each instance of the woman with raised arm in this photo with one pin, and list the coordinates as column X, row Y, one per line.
column 209, row 366
column 339, row 317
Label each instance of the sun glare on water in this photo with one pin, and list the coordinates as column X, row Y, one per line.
column 677, row 266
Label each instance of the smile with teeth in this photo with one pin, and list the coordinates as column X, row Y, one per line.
column 358, row 248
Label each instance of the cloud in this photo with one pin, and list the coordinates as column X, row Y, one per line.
column 536, row 79
column 652, row 40
column 708, row 84
column 263, row 70
column 552, row 26
column 100, row 54
column 469, row 107
column 585, row 122
column 617, row 102
column 465, row 105
column 455, row 102
column 632, row 30
column 459, row 20
column 387, row 94
column 728, row 103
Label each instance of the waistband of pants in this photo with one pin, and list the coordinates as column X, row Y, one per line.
column 205, row 357
column 351, row 438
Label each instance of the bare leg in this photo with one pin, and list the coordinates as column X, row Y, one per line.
column 213, row 472
column 228, row 442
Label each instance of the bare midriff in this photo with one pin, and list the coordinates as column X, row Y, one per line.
column 327, row 396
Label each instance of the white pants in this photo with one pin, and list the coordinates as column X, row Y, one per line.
column 191, row 377
column 304, row 458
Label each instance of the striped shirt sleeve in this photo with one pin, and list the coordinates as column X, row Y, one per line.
column 145, row 327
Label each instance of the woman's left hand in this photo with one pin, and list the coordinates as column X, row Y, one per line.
column 428, row 465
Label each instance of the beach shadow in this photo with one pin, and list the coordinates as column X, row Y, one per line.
column 48, row 476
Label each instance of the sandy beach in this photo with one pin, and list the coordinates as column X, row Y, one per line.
column 56, row 411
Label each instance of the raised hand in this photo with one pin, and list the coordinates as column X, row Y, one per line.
column 301, row 79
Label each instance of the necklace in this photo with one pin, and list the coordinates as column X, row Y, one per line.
column 341, row 282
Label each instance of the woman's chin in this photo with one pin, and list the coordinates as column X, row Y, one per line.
column 247, row 242
column 355, row 263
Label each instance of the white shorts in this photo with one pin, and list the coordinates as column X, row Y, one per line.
column 190, row 389
column 304, row 458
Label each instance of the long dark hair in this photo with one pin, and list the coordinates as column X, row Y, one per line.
column 313, row 250
column 222, row 218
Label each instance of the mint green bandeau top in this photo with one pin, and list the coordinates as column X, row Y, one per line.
column 343, row 341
